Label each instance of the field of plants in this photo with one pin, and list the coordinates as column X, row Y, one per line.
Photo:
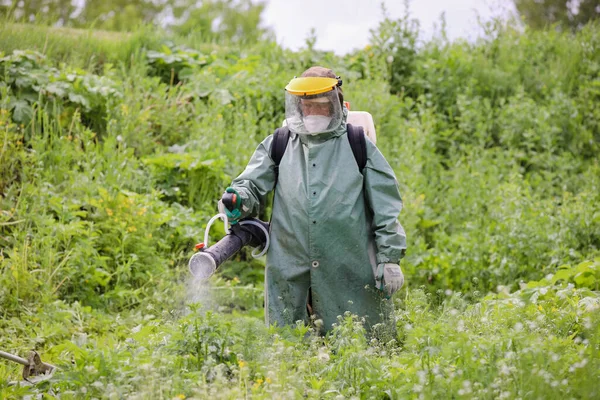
column 114, row 149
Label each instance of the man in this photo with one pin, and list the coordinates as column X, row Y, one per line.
column 335, row 239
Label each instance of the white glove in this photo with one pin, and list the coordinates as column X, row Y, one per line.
column 389, row 277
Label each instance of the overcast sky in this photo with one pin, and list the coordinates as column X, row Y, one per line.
column 342, row 25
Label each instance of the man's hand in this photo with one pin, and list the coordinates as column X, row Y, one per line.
column 231, row 205
column 389, row 277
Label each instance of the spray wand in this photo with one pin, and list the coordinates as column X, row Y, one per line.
column 250, row 231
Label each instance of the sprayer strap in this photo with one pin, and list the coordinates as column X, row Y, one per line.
column 278, row 146
column 356, row 137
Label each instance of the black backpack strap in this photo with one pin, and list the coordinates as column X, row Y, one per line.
column 278, row 146
column 356, row 137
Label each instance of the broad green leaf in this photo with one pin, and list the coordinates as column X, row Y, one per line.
column 185, row 73
column 586, row 279
column 564, row 274
column 79, row 99
column 22, row 112
column 57, row 88
column 222, row 96
column 23, row 82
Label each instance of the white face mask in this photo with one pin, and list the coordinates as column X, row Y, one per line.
column 316, row 123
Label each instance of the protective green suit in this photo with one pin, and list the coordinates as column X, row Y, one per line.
column 331, row 226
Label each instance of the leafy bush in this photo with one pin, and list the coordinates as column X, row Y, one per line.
column 188, row 179
column 31, row 81
column 176, row 64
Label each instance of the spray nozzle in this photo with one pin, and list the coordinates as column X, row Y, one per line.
column 202, row 265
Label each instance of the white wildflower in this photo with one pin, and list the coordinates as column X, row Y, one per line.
column 146, row 367
column 98, row 384
column 90, row 369
column 518, row 327
column 323, row 354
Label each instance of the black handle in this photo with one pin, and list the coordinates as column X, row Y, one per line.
column 229, row 200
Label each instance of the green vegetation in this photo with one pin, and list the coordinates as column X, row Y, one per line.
column 213, row 20
column 563, row 14
column 114, row 149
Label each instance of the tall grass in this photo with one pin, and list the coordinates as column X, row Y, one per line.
column 88, row 49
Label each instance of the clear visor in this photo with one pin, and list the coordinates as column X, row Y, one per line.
column 309, row 115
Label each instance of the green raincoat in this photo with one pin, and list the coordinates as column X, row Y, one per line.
column 331, row 226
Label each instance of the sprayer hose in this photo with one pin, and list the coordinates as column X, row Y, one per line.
column 247, row 222
column 267, row 240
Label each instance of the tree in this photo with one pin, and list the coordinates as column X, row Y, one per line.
column 110, row 14
column 35, row 10
column 118, row 15
column 566, row 14
column 395, row 42
column 235, row 20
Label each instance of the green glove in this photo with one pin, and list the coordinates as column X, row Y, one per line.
column 231, row 205
column 389, row 277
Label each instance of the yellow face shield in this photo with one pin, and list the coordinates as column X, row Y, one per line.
column 310, row 86
column 312, row 105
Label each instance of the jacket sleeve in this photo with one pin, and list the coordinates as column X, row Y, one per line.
column 383, row 196
column 257, row 180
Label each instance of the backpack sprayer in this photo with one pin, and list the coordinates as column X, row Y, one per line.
column 250, row 231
